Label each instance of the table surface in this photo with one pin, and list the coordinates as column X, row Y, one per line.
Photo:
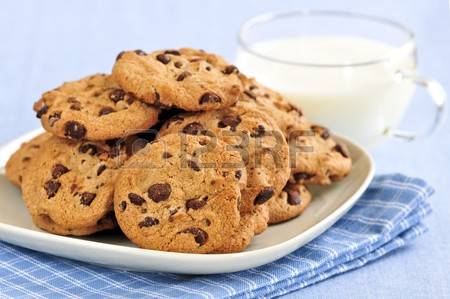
column 44, row 43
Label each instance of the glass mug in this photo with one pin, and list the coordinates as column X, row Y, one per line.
column 351, row 72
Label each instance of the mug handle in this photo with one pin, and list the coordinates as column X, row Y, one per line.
column 439, row 97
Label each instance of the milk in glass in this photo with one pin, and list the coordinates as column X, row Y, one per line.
column 362, row 100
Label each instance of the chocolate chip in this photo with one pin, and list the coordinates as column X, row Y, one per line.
column 193, row 128
column 140, row 52
column 51, row 187
column 183, row 75
column 52, row 119
column 105, row 111
column 294, row 198
column 200, row 236
column 148, row 221
column 231, row 121
column 75, row 106
column 120, row 55
column 196, row 203
column 117, row 95
column 166, row 155
column 159, row 192
column 324, row 132
column 87, row 198
column 230, row 69
column 209, row 97
column 258, row 132
column 194, row 166
column 74, row 130
column 264, row 195
column 58, row 170
column 208, row 68
column 178, row 64
column 131, row 99
column 293, row 195
column 100, row 169
column 26, row 159
column 136, row 199
column 163, row 58
column 302, row 176
column 238, row 174
column 88, row 148
column 342, row 150
column 42, row 111
column 250, row 94
column 123, row 206
column 172, row 52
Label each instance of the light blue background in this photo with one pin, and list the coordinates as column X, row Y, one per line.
column 43, row 43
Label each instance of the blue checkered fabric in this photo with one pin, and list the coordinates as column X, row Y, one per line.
column 388, row 216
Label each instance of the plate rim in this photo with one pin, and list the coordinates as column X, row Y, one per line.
column 314, row 231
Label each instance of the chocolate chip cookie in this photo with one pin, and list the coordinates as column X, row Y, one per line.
column 19, row 161
column 290, row 203
column 68, row 185
column 315, row 156
column 180, row 193
column 251, row 133
column 189, row 79
column 93, row 108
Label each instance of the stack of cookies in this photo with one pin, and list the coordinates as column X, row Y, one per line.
column 178, row 149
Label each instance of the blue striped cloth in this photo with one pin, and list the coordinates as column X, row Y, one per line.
column 388, row 216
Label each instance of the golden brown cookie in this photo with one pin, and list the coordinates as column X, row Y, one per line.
column 315, row 157
column 93, row 108
column 189, row 79
column 44, row 222
column 19, row 161
column 290, row 203
column 251, row 133
column 180, row 193
column 68, row 186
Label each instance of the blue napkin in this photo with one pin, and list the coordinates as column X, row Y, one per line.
column 386, row 217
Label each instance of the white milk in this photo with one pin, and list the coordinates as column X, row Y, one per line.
column 360, row 102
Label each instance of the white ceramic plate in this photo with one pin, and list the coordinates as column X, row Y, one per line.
column 115, row 251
